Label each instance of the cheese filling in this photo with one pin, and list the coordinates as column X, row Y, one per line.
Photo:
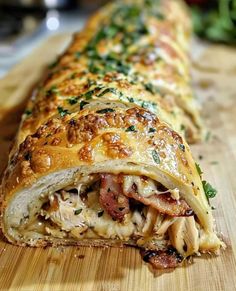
column 78, row 212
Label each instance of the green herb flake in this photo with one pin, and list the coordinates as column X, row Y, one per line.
column 209, row 190
column 145, row 104
column 91, row 82
column 78, row 55
column 62, row 111
column 73, row 76
column 53, row 64
column 51, row 91
column 105, row 110
column 111, row 31
column 100, row 213
column 130, row 99
column 149, row 87
column 208, row 135
column 89, row 94
column 131, row 128
column 78, row 211
column 28, row 112
column 151, row 130
column 72, row 100
column 199, row 170
column 156, row 157
column 159, row 15
column 93, row 68
column 108, row 90
column 182, row 147
column 82, row 104
column 152, row 88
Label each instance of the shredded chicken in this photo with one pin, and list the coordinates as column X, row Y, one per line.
column 139, row 207
column 66, row 213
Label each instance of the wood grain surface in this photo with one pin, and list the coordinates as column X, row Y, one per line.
column 94, row 269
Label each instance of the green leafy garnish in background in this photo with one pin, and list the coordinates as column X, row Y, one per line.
column 200, row 172
column 216, row 21
column 209, row 190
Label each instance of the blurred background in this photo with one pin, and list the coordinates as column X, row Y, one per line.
column 25, row 23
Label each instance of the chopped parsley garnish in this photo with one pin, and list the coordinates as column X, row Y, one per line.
column 152, row 88
column 209, row 190
column 199, row 170
column 73, row 75
column 93, row 68
column 108, row 90
column 131, row 128
column 130, row 99
column 105, row 110
column 182, row 127
column 28, row 112
column 108, row 63
column 89, row 94
column 149, row 87
column 78, row 54
column 148, row 105
column 208, row 135
column 72, row 100
column 156, row 156
column 78, row 211
column 151, row 129
column 91, row 82
column 82, row 104
column 148, row 3
column 100, row 213
column 123, row 68
column 182, row 147
column 159, row 15
column 51, row 91
column 53, row 64
column 62, row 111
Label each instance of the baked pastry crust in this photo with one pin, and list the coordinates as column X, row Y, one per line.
column 120, row 108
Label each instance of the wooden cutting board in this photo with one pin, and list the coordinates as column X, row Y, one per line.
column 94, row 269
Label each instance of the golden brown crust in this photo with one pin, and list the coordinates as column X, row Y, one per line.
column 119, row 109
column 87, row 134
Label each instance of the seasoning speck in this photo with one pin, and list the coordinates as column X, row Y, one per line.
column 156, row 157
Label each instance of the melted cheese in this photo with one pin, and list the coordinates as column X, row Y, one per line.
column 146, row 187
column 78, row 219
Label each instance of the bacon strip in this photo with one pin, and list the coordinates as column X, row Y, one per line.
column 162, row 259
column 116, row 203
column 112, row 199
column 163, row 203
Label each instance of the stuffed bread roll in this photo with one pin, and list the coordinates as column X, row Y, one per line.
column 93, row 166
column 111, row 173
column 138, row 49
